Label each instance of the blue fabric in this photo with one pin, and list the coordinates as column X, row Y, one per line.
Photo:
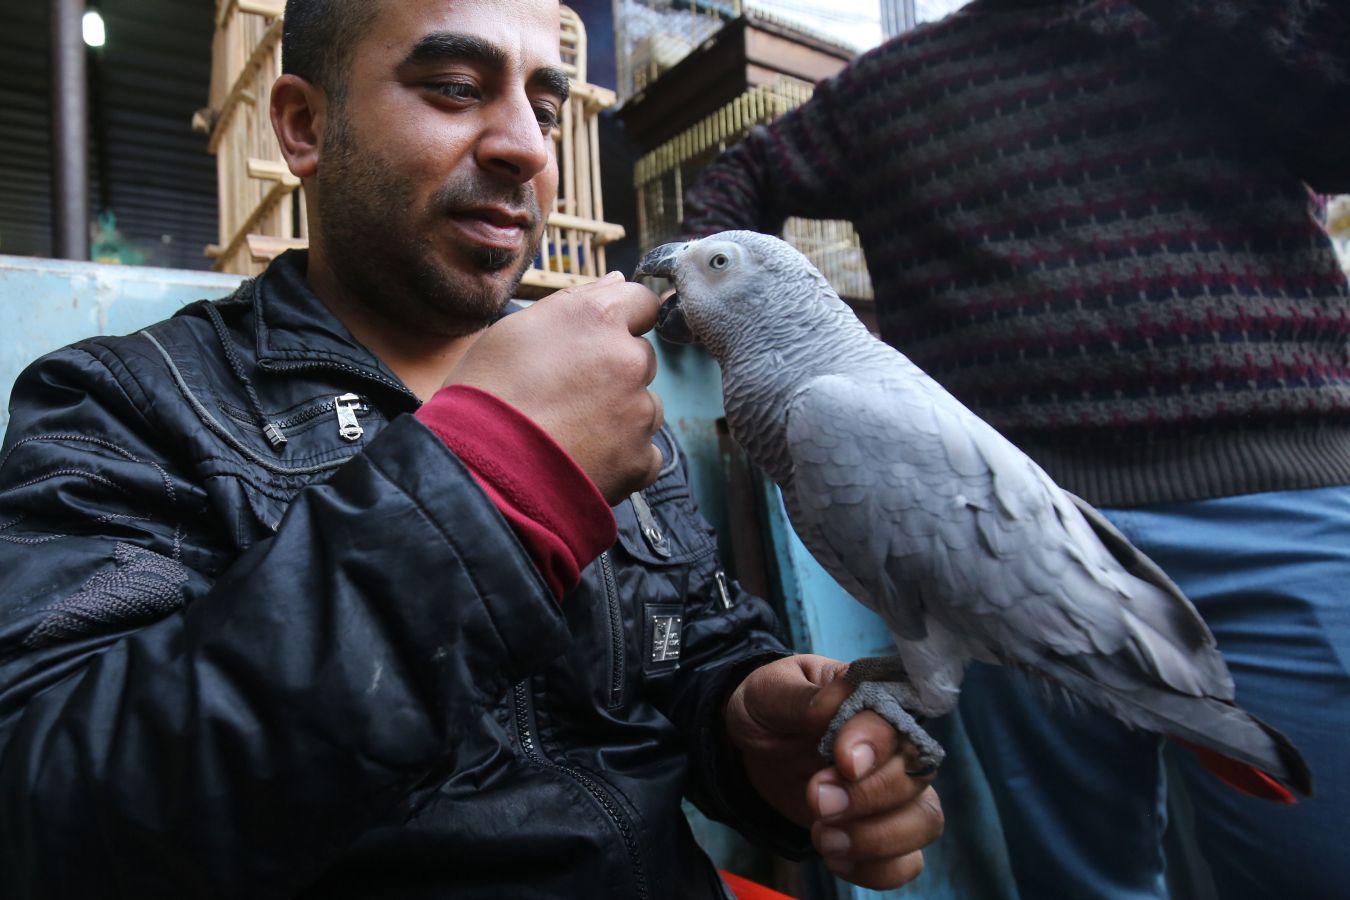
column 1082, row 800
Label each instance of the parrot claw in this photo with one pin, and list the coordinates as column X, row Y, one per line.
column 887, row 699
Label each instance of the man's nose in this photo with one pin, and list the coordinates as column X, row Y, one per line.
column 514, row 145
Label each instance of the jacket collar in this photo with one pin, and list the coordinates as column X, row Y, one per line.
column 293, row 326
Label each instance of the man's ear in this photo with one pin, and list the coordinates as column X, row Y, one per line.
column 298, row 110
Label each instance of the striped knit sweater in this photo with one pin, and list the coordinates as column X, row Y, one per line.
column 1092, row 221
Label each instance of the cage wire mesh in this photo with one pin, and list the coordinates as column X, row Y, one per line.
column 661, row 176
column 651, row 36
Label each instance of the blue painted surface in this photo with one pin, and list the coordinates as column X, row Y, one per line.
column 48, row 303
column 969, row 862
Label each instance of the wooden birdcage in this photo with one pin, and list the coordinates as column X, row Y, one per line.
column 661, row 176
column 257, row 193
column 262, row 210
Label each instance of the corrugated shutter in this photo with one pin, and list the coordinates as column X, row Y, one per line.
column 144, row 86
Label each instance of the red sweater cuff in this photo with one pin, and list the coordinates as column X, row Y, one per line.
column 554, row 508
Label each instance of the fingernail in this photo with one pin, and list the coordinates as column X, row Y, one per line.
column 833, row 842
column 831, row 799
column 864, row 758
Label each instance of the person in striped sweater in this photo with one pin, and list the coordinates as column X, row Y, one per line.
column 1094, row 221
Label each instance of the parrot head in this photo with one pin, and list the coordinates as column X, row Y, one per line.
column 730, row 285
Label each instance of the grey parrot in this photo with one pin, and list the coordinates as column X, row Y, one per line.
column 928, row 516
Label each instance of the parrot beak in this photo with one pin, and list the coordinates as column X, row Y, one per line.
column 660, row 261
column 670, row 321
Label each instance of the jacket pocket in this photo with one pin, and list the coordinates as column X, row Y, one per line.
column 661, row 532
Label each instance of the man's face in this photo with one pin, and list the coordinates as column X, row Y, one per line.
column 438, row 167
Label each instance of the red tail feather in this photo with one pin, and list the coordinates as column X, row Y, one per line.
column 1241, row 776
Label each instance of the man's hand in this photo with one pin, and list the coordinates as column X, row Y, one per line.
column 867, row 817
column 574, row 363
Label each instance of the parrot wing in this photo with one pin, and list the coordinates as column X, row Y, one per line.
column 922, row 510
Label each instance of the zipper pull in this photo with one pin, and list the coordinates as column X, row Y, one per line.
column 346, row 407
column 650, row 530
column 723, row 591
column 272, row 431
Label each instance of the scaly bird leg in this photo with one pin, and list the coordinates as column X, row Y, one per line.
column 887, row 699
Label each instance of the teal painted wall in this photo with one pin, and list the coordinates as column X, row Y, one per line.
column 46, row 304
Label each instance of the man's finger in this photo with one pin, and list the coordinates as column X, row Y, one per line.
column 833, row 798
column 895, row 832
column 636, row 304
column 779, row 698
column 865, row 742
column 879, row 876
column 633, row 304
column 658, row 412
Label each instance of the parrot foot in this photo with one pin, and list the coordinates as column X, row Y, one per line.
column 888, row 700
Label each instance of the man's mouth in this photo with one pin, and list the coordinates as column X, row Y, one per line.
column 495, row 227
column 504, row 217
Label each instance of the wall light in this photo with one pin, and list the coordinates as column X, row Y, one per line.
column 95, row 35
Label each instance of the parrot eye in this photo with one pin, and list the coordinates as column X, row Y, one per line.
column 719, row 261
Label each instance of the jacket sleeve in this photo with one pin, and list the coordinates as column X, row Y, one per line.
column 727, row 633
column 175, row 721
column 1281, row 69
column 797, row 165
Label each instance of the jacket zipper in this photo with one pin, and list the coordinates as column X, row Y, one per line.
column 322, row 408
column 521, row 702
column 271, row 365
column 616, row 648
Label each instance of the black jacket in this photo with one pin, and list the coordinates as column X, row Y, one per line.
column 327, row 668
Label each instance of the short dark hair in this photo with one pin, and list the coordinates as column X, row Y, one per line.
column 318, row 37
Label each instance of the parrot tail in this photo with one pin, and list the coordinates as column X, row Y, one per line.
column 1251, row 780
column 1235, row 746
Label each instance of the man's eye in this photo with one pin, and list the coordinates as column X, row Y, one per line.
column 455, row 90
column 548, row 117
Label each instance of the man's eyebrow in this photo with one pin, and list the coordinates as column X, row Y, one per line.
column 552, row 79
column 449, row 46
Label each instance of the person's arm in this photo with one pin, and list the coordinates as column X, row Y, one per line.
column 799, row 165
column 175, row 721
column 1281, row 67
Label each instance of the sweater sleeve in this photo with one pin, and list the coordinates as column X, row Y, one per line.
column 795, row 166
column 1282, row 67
column 555, row 510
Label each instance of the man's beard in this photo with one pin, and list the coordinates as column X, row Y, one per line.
column 367, row 213
column 494, row 259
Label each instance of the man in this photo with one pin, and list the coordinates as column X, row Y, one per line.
column 273, row 626
column 1090, row 219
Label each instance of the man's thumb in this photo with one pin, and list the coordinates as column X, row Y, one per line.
column 797, row 694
